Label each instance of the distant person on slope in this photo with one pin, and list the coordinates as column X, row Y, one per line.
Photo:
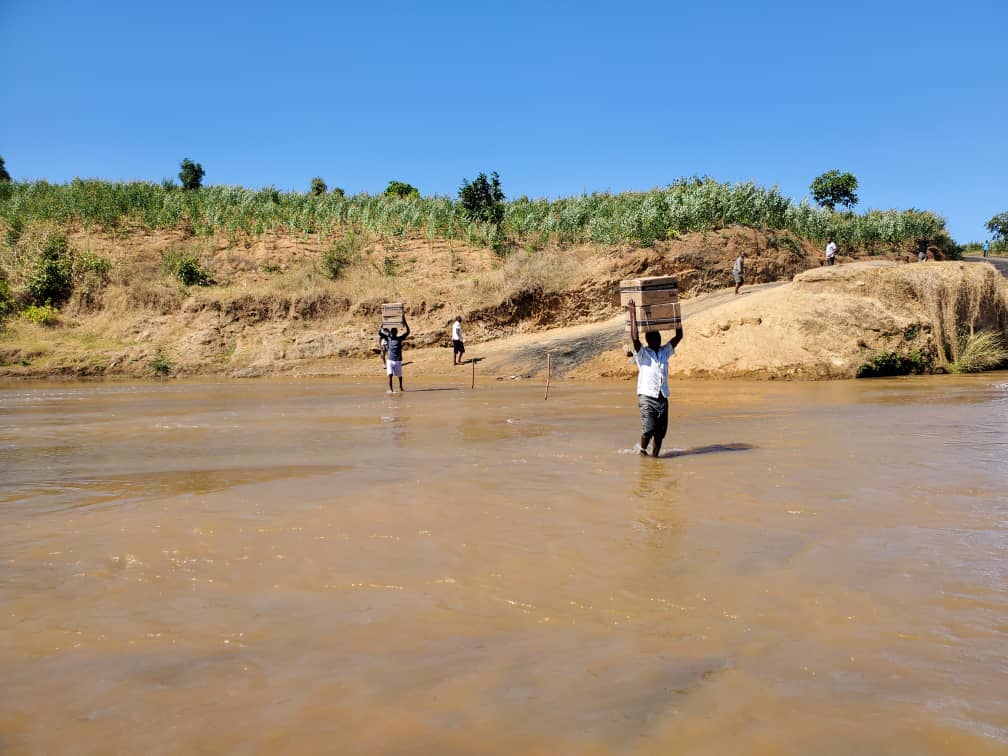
column 458, row 347
column 393, row 365
column 986, row 249
column 738, row 270
column 831, row 252
column 652, row 382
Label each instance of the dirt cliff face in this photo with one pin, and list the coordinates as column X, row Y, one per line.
column 272, row 310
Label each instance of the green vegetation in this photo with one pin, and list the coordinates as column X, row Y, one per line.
column 191, row 175
column 341, row 254
column 160, row 366
column 639, row 218
column 187, row 268
column 43, row 315
column 40, row 265
column 978, row 352
column 7, row 303
column 4, row 176
column 834, row 188
column 402, row 190
column 318, row 186
column 483, row 200
column 998, row 226
column 891, row 363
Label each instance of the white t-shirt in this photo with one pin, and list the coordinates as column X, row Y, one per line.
column 456, row 331
column 831, row 249
column 652, row 370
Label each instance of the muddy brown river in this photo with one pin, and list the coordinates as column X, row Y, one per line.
column 318, row 567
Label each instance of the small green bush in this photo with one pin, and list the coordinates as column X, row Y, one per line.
column 318, row 186
column 389, row 266
column 268, row 267
column 51, row 277
column 43, row 315
column 187, row 269
column 891, row 363
column 4, row 176
column 338, row 191
column 341, row 254
column 160, row 366
column 7, row 304
column 14, row 230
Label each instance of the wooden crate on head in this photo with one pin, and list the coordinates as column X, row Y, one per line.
column 392, row 315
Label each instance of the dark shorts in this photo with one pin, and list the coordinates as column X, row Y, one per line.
column 653, row 415
column 458, row 346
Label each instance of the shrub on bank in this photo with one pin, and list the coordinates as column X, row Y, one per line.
column 43, row 315
column 187, row 269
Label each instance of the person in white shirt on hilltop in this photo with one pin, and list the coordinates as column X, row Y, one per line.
column 831, row 251
column 458, row 347
column 652, row 382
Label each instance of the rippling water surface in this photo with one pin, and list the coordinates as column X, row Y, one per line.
column 315, row 566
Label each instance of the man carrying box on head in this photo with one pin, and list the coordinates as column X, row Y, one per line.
column 393, row 365
column 652, row 381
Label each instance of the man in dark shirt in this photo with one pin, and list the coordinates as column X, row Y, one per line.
column 393, row 365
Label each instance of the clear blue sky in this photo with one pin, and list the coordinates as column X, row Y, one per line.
column 559, row 98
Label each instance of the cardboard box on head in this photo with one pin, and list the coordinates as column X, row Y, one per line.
column 657, row 302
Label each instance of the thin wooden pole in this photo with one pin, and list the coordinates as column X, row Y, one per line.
column 549, row 369
column 474, row 373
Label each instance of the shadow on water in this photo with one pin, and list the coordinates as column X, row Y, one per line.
column 709, row 449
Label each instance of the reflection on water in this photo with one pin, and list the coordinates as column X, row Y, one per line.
column 321, row 567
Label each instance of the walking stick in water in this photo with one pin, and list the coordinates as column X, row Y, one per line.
column 548, row 371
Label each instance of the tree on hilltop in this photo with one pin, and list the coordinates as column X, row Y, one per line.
column 401, row 189
column 318, row 186
column 4, row 176
column 483, row 199
column 191, row 175
column 834, row 188
column 998, row 226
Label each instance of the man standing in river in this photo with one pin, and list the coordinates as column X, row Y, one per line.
column 652, row 382
column 393, row 365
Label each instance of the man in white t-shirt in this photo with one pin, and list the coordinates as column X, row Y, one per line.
column 831, row 251
column 652, row 382
column 458, row 348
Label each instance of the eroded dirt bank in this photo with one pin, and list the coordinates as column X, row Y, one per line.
column 272, row 311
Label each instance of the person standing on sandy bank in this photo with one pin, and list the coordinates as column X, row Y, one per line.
column 986, row 248
column 738, row 270
column 652, row 382
column 458, row 347
column 393, row 365
column 831, row 251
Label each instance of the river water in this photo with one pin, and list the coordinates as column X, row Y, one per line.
column 316, row 566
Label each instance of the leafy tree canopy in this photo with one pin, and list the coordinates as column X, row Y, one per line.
column 998, row 225
column 834, row 188
column 191, row 175
column 4, row 176
column 318, row 186
column 483, row 199
column 401, row 189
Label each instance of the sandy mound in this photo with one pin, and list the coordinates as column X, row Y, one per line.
column 831, row 321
